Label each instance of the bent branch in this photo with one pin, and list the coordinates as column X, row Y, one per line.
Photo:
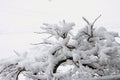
column 59, row 63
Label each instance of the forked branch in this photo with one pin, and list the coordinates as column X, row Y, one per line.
column 90, row 35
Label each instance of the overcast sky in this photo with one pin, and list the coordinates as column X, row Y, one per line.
column 20, row 18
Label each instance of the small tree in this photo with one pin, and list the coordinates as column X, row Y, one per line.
column 93, row 53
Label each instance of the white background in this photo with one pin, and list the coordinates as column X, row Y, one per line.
column 20, row 18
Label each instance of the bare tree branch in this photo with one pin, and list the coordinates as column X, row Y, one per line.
column 41, row 43
column 91, row 27
column 19, row 71
column 96, row 19
column 86, row 20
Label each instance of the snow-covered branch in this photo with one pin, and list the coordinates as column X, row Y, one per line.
column 94, row 54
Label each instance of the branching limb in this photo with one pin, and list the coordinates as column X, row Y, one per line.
column 91, row 27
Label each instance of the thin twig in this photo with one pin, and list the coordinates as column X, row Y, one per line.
column 16, row 53
column 86, row 20
column 96, row 19
column 41, row 43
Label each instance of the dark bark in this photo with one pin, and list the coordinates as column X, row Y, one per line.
column 19, row 71
column 59, row 63
column 70, row 58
